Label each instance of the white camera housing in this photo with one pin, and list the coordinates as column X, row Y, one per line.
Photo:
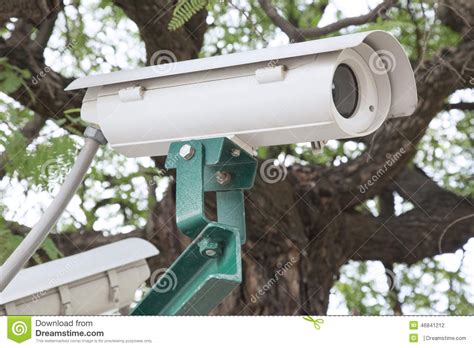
column 271, row 96
column 93, row 282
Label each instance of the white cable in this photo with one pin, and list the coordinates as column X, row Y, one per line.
column 40, row 231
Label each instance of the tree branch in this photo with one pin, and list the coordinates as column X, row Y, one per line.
column 440, row 222
column 412, row 236
column 301, row 34
column 45, row 30
column 73, row 243
column 44, row 92
column 387, row 211
column 458, row 15
column 464, row 106
column 416, row 187
column 34, row 11
column 393, row 290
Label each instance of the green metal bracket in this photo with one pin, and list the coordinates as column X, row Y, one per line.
column 210, row 267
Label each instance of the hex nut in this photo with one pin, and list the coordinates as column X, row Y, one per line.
column 223, row 178
column 209, row 248
column 317, row 146
column 96, row 134
column 210, row 252
column 186, row 151
column 235, row 152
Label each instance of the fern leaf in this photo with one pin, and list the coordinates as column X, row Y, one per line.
column 183, row 12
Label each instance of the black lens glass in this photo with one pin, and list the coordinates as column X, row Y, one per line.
column 345, row 91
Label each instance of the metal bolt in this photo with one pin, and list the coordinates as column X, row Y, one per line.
column 186, row 151
column 317, row 146
column 223, row 178
column 210, row 252
column 209, row 248
column 235, row 152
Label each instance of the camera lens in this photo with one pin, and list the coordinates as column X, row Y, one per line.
column 345, row 91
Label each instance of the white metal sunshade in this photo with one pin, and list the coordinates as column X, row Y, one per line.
column 400, row 74
column 55, row 273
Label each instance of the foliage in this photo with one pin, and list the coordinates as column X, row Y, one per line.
column 427, row 287
column 10, row 241
column 360, row 292
column 81, row 48
column 184, row 10
column 442, row 151
column 39, row 164
column 237, row 26
column 416, row 26
column 11, row 77
column 422, row 284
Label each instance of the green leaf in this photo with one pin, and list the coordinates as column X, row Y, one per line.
column 183, row 12
column 50, row 248
column 8, row 243
column 11, row 77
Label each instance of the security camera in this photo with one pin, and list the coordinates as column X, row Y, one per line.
column 334, row 88
column 93, row 282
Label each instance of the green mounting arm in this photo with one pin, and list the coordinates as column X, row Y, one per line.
column 210, row 267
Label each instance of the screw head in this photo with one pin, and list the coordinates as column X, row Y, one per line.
column 210, row 252
column 209, row 248
column 317, row 146
column 223, row 178
column 186, row 151
column 235, row 152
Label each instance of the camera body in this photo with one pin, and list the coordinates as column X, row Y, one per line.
column 334, row 88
